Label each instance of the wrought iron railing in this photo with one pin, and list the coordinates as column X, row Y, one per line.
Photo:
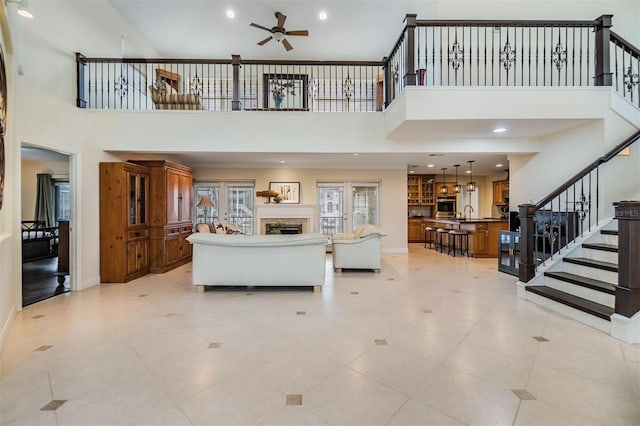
column 330, row 225
column 626, row 69
column 226, row 85
column 499, row 53
column 549, row 226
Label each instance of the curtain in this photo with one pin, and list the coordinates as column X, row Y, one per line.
column 45, row 200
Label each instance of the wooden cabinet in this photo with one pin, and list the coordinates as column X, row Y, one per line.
column 170, row 214
column 415, row 230
column 500, row 191
column 420, row 190
column 124, row 222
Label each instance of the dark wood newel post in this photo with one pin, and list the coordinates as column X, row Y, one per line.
column 388, row 81
column 527, row 245
column 80, row 66
column 235, row 101
column 603, row 58
column 409, row 54
column 628, row 292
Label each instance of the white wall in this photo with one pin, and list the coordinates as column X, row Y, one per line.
column 393, row 192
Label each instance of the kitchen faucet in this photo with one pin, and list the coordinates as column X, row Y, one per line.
column 464, row 210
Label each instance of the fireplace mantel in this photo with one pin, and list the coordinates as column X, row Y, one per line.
column 283, row 212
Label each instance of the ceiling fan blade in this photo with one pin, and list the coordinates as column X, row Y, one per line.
column 298, row 33
column 281, row 19
column 260, row 43
column 286, row 44
column 260, row 26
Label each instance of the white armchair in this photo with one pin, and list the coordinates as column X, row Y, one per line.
column 358, row 250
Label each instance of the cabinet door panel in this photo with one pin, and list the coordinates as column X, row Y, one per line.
column 143, row 254
column 173, row 197
column 185, row 198
column 132, row 257
column 172, row 246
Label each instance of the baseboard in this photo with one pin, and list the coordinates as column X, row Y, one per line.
column 626, row 329
column 90, row 283
column 395, row 251
column 7, row 326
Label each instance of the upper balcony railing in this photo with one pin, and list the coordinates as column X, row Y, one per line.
column 229, row 85
column 432, row 53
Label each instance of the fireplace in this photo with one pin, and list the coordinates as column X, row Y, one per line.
column 287, row 217
column 283, row 228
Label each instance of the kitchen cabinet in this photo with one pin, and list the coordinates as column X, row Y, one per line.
column 500, row 191
column 415, row 229
column 170, row 210
column 420, row 190
column 124, row 222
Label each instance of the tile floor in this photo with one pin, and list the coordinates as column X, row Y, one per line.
column 430, row 340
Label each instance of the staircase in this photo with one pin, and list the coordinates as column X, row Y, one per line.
column 581, row 283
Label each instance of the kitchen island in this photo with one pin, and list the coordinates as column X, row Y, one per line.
column 483, row 233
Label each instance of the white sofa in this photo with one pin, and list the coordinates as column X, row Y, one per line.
column 258, row 260
column 360, row 249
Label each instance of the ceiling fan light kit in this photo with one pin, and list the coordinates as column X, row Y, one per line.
column 278, row 32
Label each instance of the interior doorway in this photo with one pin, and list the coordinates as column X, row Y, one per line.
column 46, row 209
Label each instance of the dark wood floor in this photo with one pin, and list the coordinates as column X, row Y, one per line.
column 39, row 281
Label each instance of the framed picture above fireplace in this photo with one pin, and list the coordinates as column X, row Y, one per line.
column 289, row 191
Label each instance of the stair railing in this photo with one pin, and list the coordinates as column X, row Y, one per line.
column 625, row 60
column 565, row 214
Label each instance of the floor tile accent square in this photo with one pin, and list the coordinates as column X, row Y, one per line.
column 250, row 294
column 380, row 342
column 427, row 311
column 354, row 292
column 541, row 339
column 391, row 279
column 301, row 313
column 53, row 405
column 171, row 314
column 214, row 345
column 457, row 291
column 37, row 316
column 523, row 394
column 294, row 399
column 142, row 295
column 43, row 348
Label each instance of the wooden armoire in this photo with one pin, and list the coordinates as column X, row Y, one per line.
column 124, row 222
column 170, row 208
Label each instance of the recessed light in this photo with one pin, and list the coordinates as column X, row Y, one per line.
column 499, row 130
column 282, row 161
column 468, row 171
column 499, row 165
column 429, row 165
column 322, row 15
column 355, row 154
column 231, row 14
column 412, row 171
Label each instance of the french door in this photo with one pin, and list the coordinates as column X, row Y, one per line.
column 232, row 202
column 342, row 206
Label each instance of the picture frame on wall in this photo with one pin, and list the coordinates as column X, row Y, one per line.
column 289, row 191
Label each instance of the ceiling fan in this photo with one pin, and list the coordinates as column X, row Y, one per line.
column 278, row 32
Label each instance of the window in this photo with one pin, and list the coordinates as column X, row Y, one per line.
column 63, row 201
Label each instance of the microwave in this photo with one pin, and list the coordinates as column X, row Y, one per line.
column 445, row 207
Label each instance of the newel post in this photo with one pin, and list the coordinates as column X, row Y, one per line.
column 628, row 292
column 603, row 58
column 409, row 78
column 388, row 81
column 527, row 244
column 235, row 100
column 80, row 67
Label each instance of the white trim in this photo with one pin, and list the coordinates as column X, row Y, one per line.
column 6, row 327
column 626, row 329
column 395, row 251
column 89, row 283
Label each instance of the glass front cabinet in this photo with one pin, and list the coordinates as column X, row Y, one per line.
column 509, row 253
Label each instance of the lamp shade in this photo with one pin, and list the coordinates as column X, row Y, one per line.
column 205, row 201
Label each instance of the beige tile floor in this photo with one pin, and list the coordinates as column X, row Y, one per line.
column 458, row 342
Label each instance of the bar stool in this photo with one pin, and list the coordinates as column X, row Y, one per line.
column 458, row 239
column 430, row 236
column 441, row 233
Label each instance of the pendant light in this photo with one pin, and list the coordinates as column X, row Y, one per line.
column 457, row 187
column 444, row 189
column 471, row 185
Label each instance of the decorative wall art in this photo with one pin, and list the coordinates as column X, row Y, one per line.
column 289, row 191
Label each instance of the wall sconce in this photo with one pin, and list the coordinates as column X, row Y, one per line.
column 23, row 8
column 457, row 187
column 444, row 188
column 471, row 185
column 206, row 204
